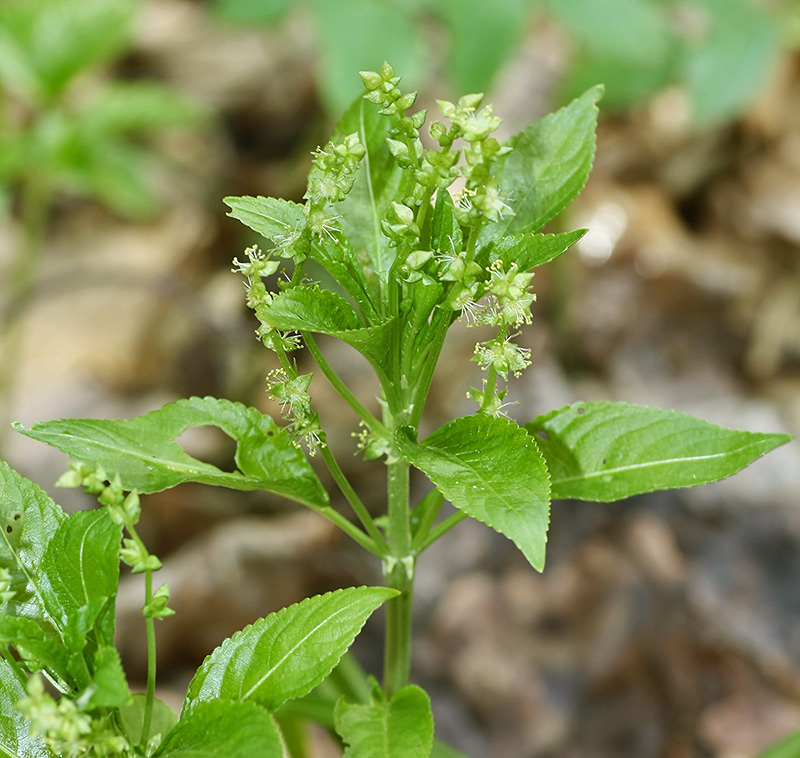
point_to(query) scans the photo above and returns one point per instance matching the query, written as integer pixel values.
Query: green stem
(439, 530)
(429, 508)
(399, 575)
(340, 387)
(150, 631)
(150, 628)
(352, 497)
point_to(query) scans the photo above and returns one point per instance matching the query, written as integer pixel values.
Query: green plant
(66, 131)
(720, 52)
(406, 259)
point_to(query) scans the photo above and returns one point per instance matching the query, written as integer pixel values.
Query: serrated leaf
(243, 730)
(398, 728)
(488, 468)
(307, 308)
(28, 519)
(288, 653)
(37, 642)
(547, 167)
(15, 730)
(271, 217)
(610, 451)
(109, 687)
(376, 186)
(81, 564)
(530, 250)
(143, 452)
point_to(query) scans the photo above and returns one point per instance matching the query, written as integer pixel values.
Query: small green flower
(158, 606)
(503, 355)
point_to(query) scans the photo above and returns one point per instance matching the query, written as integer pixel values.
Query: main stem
(399, 568)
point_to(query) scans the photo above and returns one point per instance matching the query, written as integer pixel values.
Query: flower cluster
(68, 730)
(255, 269)
(290, 389)
(333, 171)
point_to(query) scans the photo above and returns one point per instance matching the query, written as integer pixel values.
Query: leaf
(44, 44)
(611, 451)
(788, 747)
(322, 311)
(243, 729)
(143, 452)
(531, 250)
(81, 564)
(472, 62)
(376, 186)
(271, 217)
(109, 688)
(547, 167)
(398, 728)
(358, 35)
(488, 468)
(15, 730)
(135, 107)
(728, 70)
(626, 44)
(37, 643)
(251, 11)
(131, 714)
(28, 519)
(288, 653)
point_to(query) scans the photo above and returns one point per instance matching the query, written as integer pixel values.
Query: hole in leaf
(581, 411)
(542, 434)
(16, 516)
(9, 529)
(209, 444)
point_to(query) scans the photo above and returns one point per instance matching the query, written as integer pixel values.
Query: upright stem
(150, 627)
(400, 576)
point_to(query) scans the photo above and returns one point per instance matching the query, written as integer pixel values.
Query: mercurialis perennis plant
(409, 239)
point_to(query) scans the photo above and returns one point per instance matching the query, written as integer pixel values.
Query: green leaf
(548, 166)
(531, 250)
(358, 35)
(251, 11)
(271, 217)
(472, 62)
(15, 730)
(488, 468)
(307, 308)
(788, 747)
(398, 728)
(131, 714)
(288, 653)
(376, 186)
(109, 687)
(28, 519)
(243, 729)
(81, 564)
(626, 44)
(611, 451)
(727, 70)
(143, 452)
(45, 44)
(136, 107)
(37, 643)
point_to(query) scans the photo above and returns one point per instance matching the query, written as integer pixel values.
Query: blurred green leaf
(251, 11)
(359, 35)
(728, 66)
(44, 44)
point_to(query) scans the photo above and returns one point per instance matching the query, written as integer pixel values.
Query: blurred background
(666, 626)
